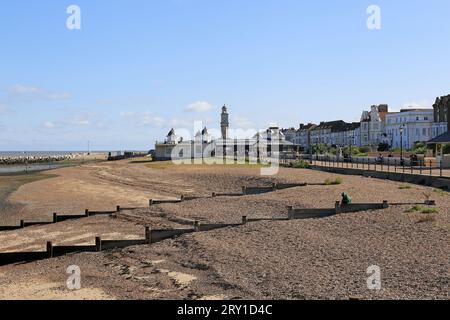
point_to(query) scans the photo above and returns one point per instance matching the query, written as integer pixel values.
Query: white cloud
(37, 93)
(49, 125)
(104, 102)
(199, 106)
(3, 108)
(417, 105)
(80, 121)
(181, 123)
(22, 90)
(147, 119)
(242, 123)
(142, 119)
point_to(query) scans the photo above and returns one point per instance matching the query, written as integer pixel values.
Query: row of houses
(377, 126)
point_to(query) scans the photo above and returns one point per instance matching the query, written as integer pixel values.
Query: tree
(383, 146)
(420, 148)
(364, 149)
(446, 149)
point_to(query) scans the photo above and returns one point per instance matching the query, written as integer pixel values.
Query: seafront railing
(394, 165)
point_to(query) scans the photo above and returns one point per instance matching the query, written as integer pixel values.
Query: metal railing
(407, 166)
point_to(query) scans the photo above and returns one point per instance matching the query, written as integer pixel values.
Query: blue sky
(139, 67)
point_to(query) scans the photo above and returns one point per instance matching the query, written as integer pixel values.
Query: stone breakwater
(32, 159)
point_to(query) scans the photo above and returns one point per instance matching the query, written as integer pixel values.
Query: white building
(271, 142)
(441, 115)
(289, 134)
(373, 125)
(417, 126)
(336, 133)
(302, 136)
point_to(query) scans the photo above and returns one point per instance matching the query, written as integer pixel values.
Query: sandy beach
(303, 259)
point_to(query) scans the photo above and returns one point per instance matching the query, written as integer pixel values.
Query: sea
(44, 153)
(21, 168)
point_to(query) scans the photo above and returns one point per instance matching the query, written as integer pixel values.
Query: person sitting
(346, 199)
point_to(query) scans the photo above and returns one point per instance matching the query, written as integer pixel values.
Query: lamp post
(310, 147)
(402, 128)
(350, 150)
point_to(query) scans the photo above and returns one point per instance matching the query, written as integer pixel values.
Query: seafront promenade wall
(432, 181)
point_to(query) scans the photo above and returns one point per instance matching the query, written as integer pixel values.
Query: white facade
(373, 126)
(439, 128)
(289, 134)
(417, 126)
(302, 136)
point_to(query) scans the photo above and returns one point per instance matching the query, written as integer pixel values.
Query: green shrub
(301, 164)
(338, 180)
(414, 209)
(364, 149)
(429, 211)
(334, 182)
(422, 210)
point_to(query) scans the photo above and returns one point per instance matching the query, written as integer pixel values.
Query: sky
(137, 68)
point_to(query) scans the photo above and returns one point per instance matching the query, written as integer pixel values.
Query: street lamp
(351, 145)
(402, 128)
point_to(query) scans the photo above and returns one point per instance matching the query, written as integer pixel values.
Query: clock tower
(224, 124)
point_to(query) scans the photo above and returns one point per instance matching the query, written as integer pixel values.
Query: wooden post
(55, 217)
(182, 198)
(98, 244)
(385, 204)
(431, 168)
(86, 212)
(22, 224)
(150, 202)
(213, 195)
(440, 168)
(337, 207)
(244, 219)
(244, 190)
(148, 235)
(196, 226)
(118, 209)
(274, 186)
(49, 249)
(290, 212)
